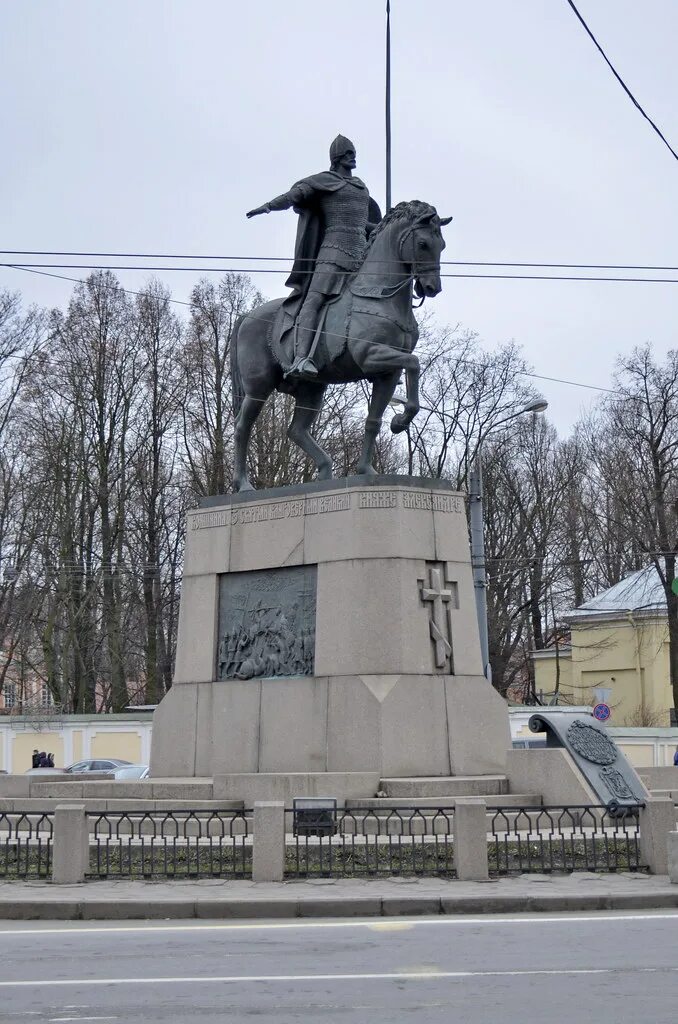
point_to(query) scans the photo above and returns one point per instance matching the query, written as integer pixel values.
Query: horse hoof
(366, 471)
(325, 473)
(244, 486)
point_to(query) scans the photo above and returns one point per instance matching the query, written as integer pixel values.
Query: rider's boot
(303, 367)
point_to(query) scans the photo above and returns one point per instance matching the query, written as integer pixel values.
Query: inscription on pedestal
(433, 502)
(267, 623)
(378, 499)
(240, 515)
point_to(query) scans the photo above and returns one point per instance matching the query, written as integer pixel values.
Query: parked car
(130, 772)
(96, 765)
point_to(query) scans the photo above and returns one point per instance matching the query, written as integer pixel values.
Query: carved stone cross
(440, 598)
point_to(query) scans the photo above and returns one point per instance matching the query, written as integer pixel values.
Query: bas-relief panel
(267, 623)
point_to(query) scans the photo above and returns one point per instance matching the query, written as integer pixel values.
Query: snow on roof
(642, 591)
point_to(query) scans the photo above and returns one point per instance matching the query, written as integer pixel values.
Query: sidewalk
(214, 898)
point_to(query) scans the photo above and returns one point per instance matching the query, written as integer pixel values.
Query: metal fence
(170, 844)
(354, 842)
(572, 838)
(26, 844)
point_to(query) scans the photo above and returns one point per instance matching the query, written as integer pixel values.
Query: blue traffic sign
(602, 712)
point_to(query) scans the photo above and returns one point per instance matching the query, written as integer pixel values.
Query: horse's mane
(412, 210)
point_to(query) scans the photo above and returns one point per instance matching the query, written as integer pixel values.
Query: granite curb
(75, 909)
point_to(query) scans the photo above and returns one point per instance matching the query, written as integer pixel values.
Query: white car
(130, 772)
(104, 764)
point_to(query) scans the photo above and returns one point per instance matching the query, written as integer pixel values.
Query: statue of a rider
(336, 215)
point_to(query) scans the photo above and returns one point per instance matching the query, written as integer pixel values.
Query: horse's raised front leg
(244, 421)
(402, 420)
(382, 393)
(309, 401)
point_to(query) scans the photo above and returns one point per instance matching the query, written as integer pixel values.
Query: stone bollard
(70, 844)
(672, 851)
(657, 819)
(268, 837)
(470, 839)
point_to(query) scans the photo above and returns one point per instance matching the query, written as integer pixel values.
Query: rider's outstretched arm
(297, 196)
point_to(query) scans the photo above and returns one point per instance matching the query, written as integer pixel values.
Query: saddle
(325, 348)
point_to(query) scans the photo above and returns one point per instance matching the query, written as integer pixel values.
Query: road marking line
(53, 1019)
(234, 979)
(391, 926)
(486, 920)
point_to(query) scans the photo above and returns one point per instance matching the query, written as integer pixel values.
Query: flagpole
(388, 105)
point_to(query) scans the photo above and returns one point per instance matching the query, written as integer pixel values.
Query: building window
(10, 695)
(45, 697)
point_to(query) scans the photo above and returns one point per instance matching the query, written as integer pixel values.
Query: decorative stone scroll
(606, 769)
(267, 623)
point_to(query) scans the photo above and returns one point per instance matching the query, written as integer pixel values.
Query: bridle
(415, 268)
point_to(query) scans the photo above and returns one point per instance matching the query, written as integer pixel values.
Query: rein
(414, 271)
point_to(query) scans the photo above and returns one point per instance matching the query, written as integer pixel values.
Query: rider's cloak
(310, 232)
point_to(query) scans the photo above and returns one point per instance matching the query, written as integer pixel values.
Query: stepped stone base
(389, 725)
(252, 787)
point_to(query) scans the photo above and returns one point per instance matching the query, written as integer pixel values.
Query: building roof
(641, 592)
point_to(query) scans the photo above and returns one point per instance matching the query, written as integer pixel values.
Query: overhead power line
(346, 273)
(622, 82)
(181, 302)
(287, 259)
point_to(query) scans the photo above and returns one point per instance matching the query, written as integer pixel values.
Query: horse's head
(421, 244)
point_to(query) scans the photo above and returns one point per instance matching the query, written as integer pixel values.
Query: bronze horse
(369, 333)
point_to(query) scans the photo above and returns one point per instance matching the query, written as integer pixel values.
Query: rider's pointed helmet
(340, 146)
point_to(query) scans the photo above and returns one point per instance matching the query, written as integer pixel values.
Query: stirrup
(302, 369)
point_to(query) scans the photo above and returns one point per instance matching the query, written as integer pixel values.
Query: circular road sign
(602, 712)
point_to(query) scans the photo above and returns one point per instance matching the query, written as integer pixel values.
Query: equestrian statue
(349, 315)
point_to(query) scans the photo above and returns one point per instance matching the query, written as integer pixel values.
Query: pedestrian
(675, 757)
(50, 760)
(42, 763)
(35, 760)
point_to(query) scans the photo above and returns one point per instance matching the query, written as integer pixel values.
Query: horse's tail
(237, 385)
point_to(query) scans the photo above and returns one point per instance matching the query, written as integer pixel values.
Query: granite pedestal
(330, 627)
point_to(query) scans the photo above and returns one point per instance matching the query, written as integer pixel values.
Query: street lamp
(478, 537)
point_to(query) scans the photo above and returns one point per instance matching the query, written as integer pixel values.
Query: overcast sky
(153, 125)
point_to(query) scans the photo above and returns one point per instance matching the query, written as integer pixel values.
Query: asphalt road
(595, 968)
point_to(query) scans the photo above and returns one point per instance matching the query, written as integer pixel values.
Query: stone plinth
(348, 608)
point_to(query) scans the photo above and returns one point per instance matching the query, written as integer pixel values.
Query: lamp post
(478, 566)
(478, 538)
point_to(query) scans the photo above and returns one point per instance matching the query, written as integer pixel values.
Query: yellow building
(619, 654)
(73, 738)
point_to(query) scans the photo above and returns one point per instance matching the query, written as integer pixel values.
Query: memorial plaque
(267, 623)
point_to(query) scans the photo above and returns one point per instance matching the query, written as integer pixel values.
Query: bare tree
(98, 368)
(633, 452)
(464, 392)
(160, 395)
(21, 336)
(208, 408)
(528, 474)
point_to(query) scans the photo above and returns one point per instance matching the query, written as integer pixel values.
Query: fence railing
(563, 838)
(467, 841)
(354, 842)
(26, 844)
(170, 844)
